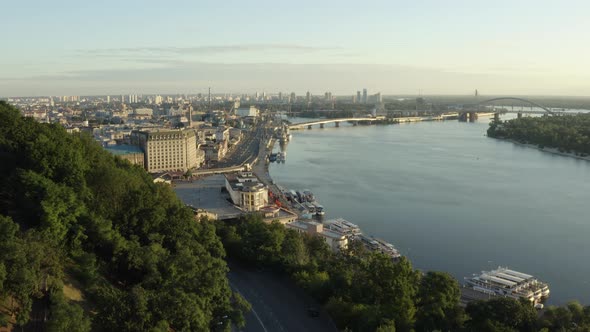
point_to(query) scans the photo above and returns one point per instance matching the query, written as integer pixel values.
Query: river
(451, 199)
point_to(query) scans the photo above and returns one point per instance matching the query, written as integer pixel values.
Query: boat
(300, 197)
(343, 227)
(319, 210)
(509, 283)
(378, 245)
(293, 195)
(310, 207)
(308, 195)
(387, 249)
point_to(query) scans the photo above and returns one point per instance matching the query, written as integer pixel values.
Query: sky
(517, 47)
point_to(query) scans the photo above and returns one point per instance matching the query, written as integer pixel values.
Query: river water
(452, 199)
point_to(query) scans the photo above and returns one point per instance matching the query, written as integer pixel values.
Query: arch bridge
(547, 110)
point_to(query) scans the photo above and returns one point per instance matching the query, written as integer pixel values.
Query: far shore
(545, 149)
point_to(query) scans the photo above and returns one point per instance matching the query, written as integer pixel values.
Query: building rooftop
(123, 149)
(245, 181)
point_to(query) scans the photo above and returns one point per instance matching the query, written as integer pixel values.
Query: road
(246, 148)
(277, 304)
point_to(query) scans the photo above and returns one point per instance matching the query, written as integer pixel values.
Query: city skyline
(60, 48)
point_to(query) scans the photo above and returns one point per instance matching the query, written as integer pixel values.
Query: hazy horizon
(397, 48)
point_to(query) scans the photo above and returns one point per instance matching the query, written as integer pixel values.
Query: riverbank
(545, 149)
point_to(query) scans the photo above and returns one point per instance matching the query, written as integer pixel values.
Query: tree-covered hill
(568, 133)
(69, 211)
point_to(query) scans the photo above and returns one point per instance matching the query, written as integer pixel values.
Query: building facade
(167, 150)
(246, 191)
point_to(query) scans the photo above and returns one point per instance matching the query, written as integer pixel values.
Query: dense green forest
(365, 291)
(73, 214)
(568, 133)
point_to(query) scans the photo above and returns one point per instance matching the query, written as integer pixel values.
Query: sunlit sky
(513, 47)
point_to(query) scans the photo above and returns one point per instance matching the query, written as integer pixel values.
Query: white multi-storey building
(167, 150)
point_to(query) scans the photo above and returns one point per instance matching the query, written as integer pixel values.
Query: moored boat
(509, 283)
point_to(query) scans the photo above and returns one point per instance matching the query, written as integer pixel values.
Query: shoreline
(554, 151)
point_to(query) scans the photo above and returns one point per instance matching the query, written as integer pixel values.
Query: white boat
(343, 227)
(509, 283)
(319, 210)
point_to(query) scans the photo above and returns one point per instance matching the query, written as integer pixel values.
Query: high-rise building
(354, 99)
(280, 96)
(167, 150)
(358, 96)
(365, 96)
(293, 97)
(108, 99)
(158, 100)
(308, 97)
(378, 98)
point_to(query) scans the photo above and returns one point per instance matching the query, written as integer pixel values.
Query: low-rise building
(246, 191)
(252, 111)
(335, 241)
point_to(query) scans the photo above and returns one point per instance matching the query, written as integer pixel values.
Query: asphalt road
(277, 303)
(246, 148)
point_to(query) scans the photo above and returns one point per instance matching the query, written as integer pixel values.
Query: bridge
(335, 121)
(547, 110)
(471, 115)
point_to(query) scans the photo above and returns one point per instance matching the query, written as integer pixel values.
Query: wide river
(452, 199)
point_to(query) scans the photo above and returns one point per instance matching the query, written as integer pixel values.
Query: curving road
(277, 304)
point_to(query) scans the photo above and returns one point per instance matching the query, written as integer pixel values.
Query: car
(313, 312)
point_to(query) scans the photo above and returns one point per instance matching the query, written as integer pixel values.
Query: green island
(89, 243)
(567, 133)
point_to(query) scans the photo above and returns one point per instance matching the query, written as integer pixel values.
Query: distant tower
(365, 96)
(210, 99)
(190, 116)
(358, 96)
(476, 93)
(108, 99)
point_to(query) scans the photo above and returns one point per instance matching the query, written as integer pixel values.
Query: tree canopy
(70, 210)
(568, 133)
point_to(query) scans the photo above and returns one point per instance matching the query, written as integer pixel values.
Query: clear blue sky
(439, 47)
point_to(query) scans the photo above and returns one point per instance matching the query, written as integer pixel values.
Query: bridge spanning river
(322, 122)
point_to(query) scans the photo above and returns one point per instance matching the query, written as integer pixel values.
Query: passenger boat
(308, 195)
(319, 210)
(310, 207)
(509, 283)
(343, 227)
